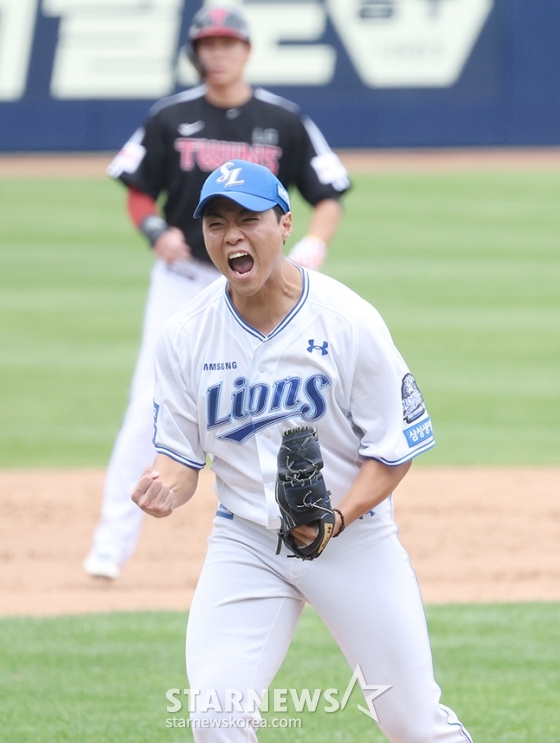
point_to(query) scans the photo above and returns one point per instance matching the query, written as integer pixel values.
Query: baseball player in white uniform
(269, 347)
(183, 140)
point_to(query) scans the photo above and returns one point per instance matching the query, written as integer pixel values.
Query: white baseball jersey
(225, 390)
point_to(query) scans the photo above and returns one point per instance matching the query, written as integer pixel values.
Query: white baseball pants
(119, 527)
(247, 605)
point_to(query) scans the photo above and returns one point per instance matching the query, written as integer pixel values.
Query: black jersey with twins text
(185, 138)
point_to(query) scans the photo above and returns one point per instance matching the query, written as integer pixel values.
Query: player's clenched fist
(152, 496)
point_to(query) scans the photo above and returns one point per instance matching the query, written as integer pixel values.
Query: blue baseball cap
(253, 186)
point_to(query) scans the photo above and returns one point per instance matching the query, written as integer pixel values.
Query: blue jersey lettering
(265, 405)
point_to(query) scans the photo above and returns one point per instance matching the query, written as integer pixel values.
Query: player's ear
(286, 225)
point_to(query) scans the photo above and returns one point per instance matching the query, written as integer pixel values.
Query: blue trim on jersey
(411, 455)
(156, 413)
(299, 305)
(458, 724)
(239, 319)
(371, 512)
(289, 317)
(224, 512)
(178, 458)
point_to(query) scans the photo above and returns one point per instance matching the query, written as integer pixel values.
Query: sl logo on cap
(229, 175)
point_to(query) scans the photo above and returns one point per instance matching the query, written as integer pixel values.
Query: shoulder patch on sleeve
(412, 401)
(130, 156)
(329, 169)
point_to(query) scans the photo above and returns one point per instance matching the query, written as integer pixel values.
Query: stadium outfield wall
(81, 76)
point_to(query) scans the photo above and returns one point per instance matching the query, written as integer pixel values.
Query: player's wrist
(153, 227)
(342, 522)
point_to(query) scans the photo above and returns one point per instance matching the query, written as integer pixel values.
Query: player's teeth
(240, 262)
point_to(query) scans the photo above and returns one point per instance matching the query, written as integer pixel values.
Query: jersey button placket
(261, 371)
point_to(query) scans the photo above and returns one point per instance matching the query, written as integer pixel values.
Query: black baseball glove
(301, 492)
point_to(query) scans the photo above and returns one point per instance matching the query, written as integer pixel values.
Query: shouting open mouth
(240, 263)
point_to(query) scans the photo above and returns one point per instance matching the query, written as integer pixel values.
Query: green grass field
(463, 267)
(104, 678)
(465, 270)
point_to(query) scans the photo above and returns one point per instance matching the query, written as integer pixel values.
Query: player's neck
(229, 96)
(266, 309)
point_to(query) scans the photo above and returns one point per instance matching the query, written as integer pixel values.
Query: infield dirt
(94, 165)
(473, 534)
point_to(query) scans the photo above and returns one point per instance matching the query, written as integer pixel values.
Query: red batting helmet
(218, 21)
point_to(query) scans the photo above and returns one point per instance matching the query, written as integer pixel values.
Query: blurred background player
(186, 137)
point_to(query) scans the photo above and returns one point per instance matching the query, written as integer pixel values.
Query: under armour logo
(229, 175)
(322, 348)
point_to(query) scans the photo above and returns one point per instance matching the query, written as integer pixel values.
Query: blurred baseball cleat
(101, 566)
